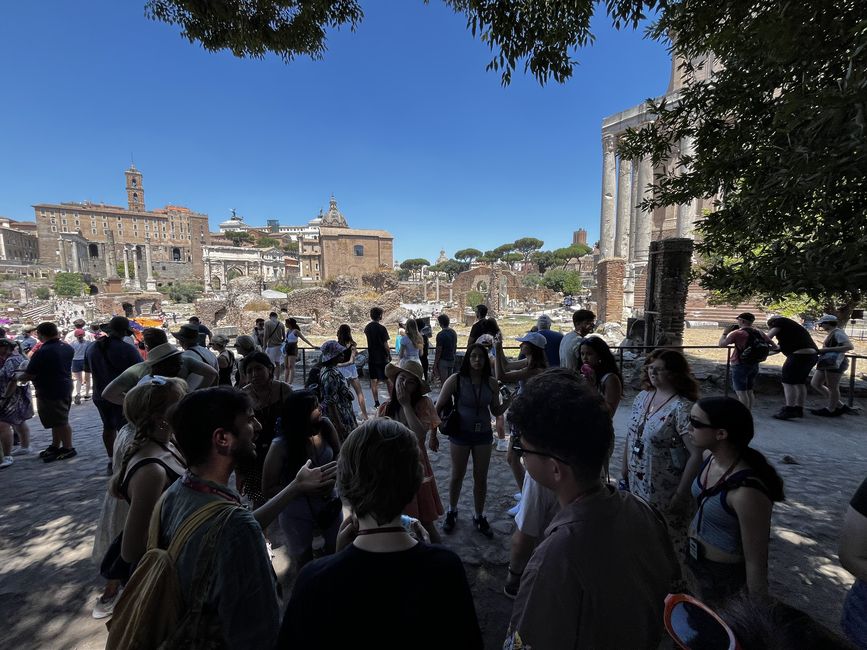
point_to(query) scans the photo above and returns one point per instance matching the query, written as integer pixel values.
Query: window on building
(53, 228)
(176, 254)
(359, 250)
(93, 249)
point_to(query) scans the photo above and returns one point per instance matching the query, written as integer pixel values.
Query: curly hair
(379, 469)
(144, 407)
(679, 374)
(545, 414)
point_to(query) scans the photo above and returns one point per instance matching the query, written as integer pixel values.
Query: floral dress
(18, 407)
(426, 505)
(337, 401)
(656, 457)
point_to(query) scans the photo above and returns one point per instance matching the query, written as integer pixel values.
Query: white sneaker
(513, 512)
(517, 496)
(104, 609)
(502, 444)
(22, 451)
(6, 462)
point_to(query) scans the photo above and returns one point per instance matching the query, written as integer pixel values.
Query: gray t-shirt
(243, 594)
(569, 351)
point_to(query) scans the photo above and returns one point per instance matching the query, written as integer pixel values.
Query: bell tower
(134, 189)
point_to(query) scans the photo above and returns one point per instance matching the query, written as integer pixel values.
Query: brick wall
(609, 290)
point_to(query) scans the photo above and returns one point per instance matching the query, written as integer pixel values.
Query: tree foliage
(268, 242)
(526, 246)
(69, 284)
(779, 136)
(43, 293)
(569, 253)
(468, 255)
(544, 260)
(562, 281)
(182, 291)
(450, 268)
(541, 35)
(237, 237)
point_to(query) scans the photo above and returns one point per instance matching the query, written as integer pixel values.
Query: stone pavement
(48, 583)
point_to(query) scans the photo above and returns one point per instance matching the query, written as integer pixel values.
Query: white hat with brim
(161, 352)
(411, 366)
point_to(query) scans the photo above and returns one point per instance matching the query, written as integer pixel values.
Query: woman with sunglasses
(735, 492)
(659, 459)
(410, 405)
(476, 395)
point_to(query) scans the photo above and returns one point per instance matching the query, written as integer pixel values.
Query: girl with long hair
(267, 395)
(290, 348)
(412, 342)
(599, 368)
(305, 438)
(476, 395)
(659, 459)
(149, 462)
(735, 492)
(410, 405)
(348, 368)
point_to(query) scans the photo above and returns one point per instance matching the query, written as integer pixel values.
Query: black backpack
(757, 348)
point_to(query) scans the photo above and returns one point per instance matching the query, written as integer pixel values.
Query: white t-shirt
(538, 507)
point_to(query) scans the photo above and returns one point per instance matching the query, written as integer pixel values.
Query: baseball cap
(533, 338)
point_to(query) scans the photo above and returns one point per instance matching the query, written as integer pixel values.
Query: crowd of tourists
(207, 447)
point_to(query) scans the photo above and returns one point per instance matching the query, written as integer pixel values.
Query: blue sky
(399, 121)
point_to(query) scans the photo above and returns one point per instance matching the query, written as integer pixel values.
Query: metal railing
(618, 351)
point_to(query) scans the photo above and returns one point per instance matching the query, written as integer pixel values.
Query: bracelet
(519, 574)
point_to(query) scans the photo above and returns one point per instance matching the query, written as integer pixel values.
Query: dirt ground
(48, 514)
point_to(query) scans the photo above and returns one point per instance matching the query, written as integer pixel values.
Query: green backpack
(151, 612)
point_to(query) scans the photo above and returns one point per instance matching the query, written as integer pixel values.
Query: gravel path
(48, 583)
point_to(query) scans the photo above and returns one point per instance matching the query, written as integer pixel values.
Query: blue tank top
(715, 523)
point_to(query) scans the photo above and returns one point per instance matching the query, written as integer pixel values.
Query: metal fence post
(728, 369)
(304, 365)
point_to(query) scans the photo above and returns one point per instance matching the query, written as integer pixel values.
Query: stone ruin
(325, 309)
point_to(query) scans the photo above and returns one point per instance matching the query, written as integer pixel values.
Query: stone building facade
(625, 230)
(17, 245)
(222, 263)
(174, 234)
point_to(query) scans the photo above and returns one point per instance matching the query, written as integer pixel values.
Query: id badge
(694, 549)
(477, 428)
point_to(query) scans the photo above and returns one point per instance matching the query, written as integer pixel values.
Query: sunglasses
(694, 626)
(698, 424)
(520, 451)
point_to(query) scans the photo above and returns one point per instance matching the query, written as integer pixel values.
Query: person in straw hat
(336, 398)
(410, 405)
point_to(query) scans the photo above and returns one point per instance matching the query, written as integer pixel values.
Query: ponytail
(765, 472)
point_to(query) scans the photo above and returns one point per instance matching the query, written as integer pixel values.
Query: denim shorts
(744, 376)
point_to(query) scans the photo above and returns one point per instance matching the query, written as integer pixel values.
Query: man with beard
(215, 429)
(583, 322)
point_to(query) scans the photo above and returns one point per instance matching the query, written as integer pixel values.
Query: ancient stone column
(624, 209)
(126, 281)
(609, 187)
(136, 276)
(644, 219)
(108, 272)
(76, 260)
(62, 249)
(438, 286)
(686, 213)
(634, 212)
(151, 282)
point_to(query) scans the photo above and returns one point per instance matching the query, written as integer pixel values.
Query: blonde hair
(145, 407)
(413, 334)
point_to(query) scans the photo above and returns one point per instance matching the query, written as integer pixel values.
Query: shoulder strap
(187, 528)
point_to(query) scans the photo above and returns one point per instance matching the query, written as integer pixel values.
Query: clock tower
(134, 189)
